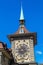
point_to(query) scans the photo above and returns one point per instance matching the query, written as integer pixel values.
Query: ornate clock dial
(22, 49)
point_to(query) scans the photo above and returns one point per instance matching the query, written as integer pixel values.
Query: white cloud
(39, 52)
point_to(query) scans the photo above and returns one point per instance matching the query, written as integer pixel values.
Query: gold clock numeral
(22, 60)
(19, 59)
(24, 55)
(26, 42)
(16, 43)
(23, 40)
(19, 41)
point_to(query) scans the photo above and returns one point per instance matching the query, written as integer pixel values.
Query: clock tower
(22, 44)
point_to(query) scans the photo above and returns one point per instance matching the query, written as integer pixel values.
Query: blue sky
(33, 14)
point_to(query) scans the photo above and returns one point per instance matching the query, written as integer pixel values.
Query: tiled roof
(1, 45)
(25, 31)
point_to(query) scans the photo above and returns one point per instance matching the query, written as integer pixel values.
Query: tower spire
(22, 21)
(21, 14)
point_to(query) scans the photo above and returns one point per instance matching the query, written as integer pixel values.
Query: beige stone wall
(29, 42)
(31, 51)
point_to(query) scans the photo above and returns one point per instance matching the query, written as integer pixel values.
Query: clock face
(22, 49)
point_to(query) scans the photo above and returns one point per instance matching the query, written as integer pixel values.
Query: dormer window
(21, 30)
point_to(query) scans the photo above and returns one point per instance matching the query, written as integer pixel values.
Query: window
(21, 30)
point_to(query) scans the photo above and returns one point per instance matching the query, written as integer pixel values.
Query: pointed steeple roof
(22, 32)
(21, 14)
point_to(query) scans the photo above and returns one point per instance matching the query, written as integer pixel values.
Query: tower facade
(22, 44)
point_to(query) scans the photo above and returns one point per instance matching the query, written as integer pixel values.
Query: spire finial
(21, 14)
